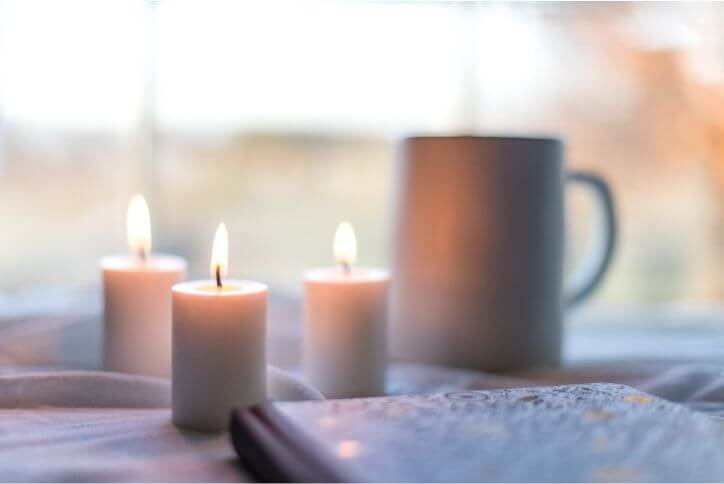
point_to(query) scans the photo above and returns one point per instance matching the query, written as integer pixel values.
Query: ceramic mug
(478, 251)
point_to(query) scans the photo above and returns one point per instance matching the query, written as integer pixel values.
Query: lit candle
(345, 324)
(137, 301)
(219, 345)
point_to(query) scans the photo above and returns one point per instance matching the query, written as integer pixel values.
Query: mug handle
(596, 260)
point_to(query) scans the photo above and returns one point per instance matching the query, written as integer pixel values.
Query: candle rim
(156, 262)
(336, 274)
(245, 287)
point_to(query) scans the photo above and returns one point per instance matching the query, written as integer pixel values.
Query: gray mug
(478, 251)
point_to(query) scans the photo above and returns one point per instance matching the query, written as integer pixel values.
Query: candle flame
(138, 226)
(220, 252)
(345, 245)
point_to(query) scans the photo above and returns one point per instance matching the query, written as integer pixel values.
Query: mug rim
(434, 137)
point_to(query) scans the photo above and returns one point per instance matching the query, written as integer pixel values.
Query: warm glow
(345, 245)
(138, 226)
(348, 449)
(220, 251)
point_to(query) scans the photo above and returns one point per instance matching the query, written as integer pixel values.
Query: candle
(219, 345)
(137, 301)
(345, 324)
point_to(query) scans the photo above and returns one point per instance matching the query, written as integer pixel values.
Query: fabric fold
(118, 390)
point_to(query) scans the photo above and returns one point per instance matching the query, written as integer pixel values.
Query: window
(281, 120)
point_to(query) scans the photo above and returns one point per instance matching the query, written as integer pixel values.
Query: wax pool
(219, 351)
(345, 324)
(137, 312)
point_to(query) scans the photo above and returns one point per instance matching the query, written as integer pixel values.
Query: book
(587, 432)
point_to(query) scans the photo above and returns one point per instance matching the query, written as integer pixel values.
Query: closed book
(591, 432)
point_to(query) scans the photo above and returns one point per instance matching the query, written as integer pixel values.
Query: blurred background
(281, 119)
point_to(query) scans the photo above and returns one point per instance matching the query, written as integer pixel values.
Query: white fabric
(118, 390)
(60, 425)
(83, 389)
(95, 426)
(282, 386)
(98, 426)
(109, 444)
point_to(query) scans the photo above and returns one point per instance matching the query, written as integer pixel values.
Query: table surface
(60, 331)
(63, 328)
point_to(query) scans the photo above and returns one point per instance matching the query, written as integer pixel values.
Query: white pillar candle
(345, 325)
(219, 345)
(137, 301)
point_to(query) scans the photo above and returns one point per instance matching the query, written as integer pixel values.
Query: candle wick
(346, 267)
(218, 276)
(142, 255)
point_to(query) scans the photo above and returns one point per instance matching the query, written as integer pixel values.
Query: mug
(478, 251)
